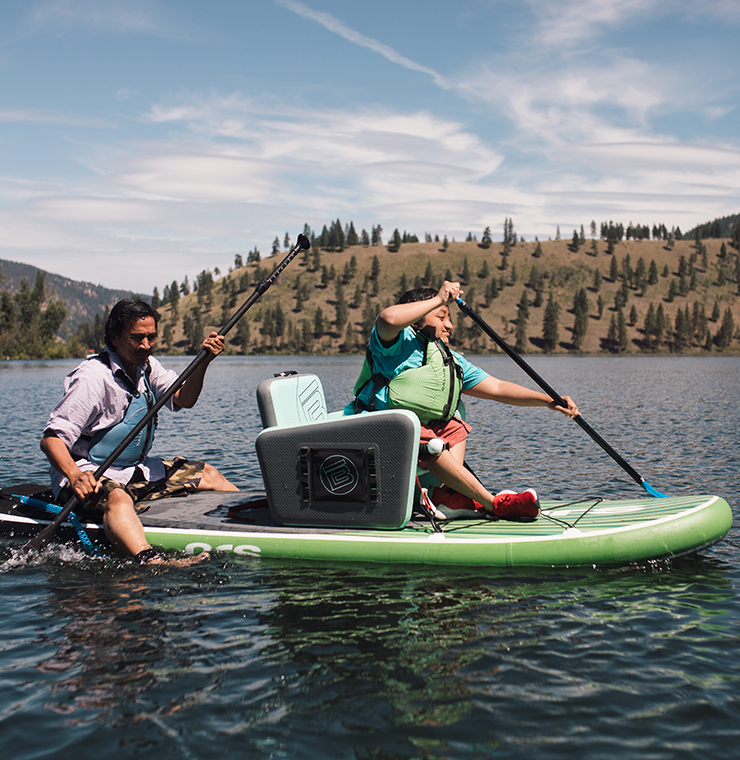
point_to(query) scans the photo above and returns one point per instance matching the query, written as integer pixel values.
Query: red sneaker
(519, 507)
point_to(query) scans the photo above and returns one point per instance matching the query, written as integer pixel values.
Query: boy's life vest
(432, 391)
(104, 442)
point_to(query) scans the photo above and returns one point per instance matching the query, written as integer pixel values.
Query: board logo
(339, 475)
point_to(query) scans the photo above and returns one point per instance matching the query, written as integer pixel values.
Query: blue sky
(143, 140)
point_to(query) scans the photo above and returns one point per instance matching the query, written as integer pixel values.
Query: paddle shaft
(555, 396)
(43, 538)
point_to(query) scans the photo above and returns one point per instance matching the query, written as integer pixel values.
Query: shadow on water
(256, 658)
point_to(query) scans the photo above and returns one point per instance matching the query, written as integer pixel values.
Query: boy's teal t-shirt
(406, 353)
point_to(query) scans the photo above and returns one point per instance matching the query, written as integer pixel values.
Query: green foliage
(550, 332)
(580, 323)
(27, 329)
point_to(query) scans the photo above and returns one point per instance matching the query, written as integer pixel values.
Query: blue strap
(72, 517)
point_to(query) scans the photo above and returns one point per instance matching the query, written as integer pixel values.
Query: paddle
(466, 309)
(43, 538)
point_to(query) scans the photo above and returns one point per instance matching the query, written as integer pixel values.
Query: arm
(517, 395)
(83, 483)
(186, 396)
(393, 320)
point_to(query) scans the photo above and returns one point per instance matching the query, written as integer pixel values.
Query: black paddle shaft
(43, 538)
(466, 309)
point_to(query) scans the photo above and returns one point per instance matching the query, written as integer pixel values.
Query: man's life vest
(104, 442)
(432, 391)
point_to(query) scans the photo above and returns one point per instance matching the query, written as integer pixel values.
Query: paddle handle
(43, 538)
(556, 397)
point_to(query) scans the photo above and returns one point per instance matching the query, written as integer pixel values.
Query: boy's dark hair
(417, 294)
(125, 311)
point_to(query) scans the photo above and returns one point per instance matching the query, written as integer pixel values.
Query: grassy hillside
(285, 318)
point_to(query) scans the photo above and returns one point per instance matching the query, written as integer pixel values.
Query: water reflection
(294, 659)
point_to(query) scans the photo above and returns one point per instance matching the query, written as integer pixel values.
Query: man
(104, 397)
(409, 366)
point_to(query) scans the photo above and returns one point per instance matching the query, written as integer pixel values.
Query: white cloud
(239, 175)
(565, 23)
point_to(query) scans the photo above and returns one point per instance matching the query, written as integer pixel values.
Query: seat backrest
(291, 399)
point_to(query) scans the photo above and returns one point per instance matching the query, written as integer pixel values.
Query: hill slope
(84, 300)
(298, 313)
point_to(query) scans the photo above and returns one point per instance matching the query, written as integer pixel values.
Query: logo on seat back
(310, 399)
(339, 475)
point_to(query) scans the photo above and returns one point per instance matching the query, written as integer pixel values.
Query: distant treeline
(30, 319)
(336, 237)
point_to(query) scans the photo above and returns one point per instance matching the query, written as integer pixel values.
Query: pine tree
(493, 289)
(521, 328)
(396, 240)
(319, 326)
(550, 333)
(660, 325)
(580, 323)
(613, 269)
(243, 334)
(653, 273)
(611, 335)
(649, 326)
(523, 306)
(622, 339)
(680, 332)
(375, 269)
(726, 331)
(486, 240)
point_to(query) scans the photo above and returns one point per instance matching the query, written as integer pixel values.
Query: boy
(409, 366)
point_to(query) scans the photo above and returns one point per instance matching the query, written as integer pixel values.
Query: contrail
(333, 24)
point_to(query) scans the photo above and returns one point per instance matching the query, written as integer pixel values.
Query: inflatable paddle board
(588, 531)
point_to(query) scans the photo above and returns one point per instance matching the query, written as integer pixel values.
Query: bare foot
(193, 559)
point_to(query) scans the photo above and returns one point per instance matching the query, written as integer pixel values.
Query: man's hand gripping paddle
(46, 535)
(466, 309)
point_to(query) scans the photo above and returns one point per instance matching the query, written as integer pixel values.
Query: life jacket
(431, 391)
(104, 442)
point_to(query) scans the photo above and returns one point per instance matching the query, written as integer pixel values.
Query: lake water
(250, 658)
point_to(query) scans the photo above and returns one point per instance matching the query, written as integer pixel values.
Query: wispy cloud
(41, 116)
(564, 23)
(120, 17)
(333, 24)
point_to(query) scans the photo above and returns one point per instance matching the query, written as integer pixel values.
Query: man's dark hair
(125, 312)
(417, 294)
